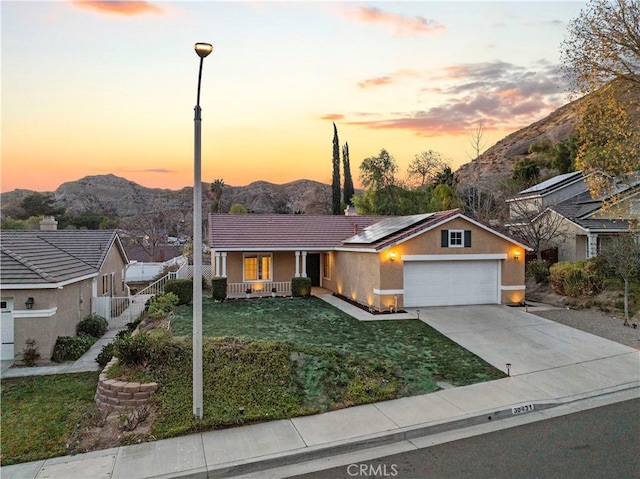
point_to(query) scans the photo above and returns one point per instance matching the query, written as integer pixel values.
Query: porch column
(304, 264)
(224, 264)
(297, 275)
(216, 269)
(592, 245)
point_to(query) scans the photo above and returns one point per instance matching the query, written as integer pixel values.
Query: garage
(451, 283)
(6, 330)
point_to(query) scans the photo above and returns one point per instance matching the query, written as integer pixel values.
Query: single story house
(49, 279)
(432, 259)
(583, 223)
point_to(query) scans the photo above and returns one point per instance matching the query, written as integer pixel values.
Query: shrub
(575, 278)
(132, 350)
(301, 287)
(108, 351)
(219, 288)
(182, 288)
(538, 270)
(30, 354)
(162, 304)
(93, 325)
(70, 348)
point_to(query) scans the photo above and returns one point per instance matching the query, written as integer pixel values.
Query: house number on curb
(522, 408)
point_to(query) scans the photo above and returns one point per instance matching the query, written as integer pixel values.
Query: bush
(132, 350)
(93, 325)
(162, 304)
(575, 278)
(301, 287)
(108, 351)
(70, 348)
(538, 270)
(219, 288)
(182, 288)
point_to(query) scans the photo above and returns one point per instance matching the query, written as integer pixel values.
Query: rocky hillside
(497, 162)
(115, 196)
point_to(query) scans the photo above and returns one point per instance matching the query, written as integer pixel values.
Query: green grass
(42, 414)
(418, 354)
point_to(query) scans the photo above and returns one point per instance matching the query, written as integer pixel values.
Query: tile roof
(287, 232)
(50, 257)
(283, 232)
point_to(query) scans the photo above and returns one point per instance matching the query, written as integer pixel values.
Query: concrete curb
(407, 433)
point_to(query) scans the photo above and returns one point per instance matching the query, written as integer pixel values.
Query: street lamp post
(202, 49)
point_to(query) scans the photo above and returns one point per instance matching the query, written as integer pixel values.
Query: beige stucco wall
(71, 303)
(283, 266)
(358, 274)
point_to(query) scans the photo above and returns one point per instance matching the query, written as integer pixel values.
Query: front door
(6, 330)
(313, 268)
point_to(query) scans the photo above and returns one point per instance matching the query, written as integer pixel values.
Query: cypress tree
(335, 184)
(348, 191)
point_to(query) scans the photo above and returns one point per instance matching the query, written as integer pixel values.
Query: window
(326, 257)
(455, 238)
(105, 284)
(257, 267)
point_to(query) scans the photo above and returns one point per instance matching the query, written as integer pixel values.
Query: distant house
(49, 279)
(585, 222)
(443, 258)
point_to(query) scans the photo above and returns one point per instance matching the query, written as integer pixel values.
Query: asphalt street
(602, 442)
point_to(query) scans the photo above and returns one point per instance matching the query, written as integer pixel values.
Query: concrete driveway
(502, 334)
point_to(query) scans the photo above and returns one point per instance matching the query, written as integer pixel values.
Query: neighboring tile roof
(273, 232)
(46, 257)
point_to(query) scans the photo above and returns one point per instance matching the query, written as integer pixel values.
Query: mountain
(497, 163)
(115, 196)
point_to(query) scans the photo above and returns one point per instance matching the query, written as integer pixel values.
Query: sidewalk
(558, 371)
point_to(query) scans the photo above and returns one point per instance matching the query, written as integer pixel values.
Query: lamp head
(203, 49)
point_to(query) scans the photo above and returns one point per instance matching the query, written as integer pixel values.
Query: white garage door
(6, 329)
(448, 283)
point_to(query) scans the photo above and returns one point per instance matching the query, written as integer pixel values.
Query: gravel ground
(595, 322)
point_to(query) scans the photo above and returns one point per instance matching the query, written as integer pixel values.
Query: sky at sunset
(97, 87)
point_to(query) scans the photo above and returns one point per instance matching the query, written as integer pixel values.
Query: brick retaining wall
(118, 395)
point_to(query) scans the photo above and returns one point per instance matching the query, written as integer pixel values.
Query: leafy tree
(443, 198)
(425, 166)
(527, 171)
(348, 190)
(39, 204)
(445, 177)
(622, 254)
(601, 56)
(238, 209)
(335, 182)
(603, 44)
(32, 223)
(215, 193)
(564, 155)
(378, 172)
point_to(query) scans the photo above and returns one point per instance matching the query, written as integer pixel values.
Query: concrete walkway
(555, 370)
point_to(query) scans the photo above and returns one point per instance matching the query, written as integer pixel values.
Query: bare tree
(425, 166)
(622, 254)
(149, 230)
(541, 229)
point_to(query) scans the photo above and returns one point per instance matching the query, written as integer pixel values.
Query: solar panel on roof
(550, 182)
(386, 227)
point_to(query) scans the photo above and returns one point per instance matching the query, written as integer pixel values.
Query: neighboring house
(443, 258)
(48, 281)
(584, 222)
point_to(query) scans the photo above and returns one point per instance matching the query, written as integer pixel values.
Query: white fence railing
(260, 288)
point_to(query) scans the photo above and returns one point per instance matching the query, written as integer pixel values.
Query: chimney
(48, 223)
(351, 211)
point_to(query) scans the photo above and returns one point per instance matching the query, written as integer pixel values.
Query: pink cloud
(387, 79)
(404, 25)
(332, 116)
(119, 7)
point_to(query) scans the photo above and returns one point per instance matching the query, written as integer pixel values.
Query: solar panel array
(385, 228)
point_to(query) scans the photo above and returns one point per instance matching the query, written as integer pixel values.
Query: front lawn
(42, 416)
(418, 354)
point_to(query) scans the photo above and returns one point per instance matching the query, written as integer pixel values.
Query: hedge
(93, 325)
(575, 278)
(301, 287)
(183, 288)
(70, 348)
(219, 288)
